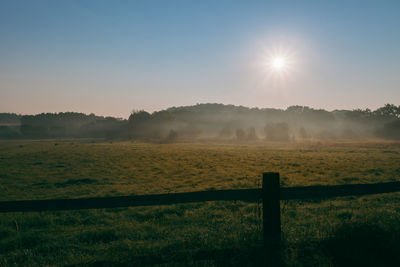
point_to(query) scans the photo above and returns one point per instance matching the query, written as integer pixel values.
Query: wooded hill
(210, 121)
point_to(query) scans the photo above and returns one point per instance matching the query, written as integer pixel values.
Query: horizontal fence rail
(247, 195)
(320, 191)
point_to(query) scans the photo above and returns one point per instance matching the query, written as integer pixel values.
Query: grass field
(336, 232)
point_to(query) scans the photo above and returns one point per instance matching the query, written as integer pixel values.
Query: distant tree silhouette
(277, 132)
(205, 120)
(303, 133)
(10, 132)
(226, 132)
(390, 130)
(388, 111)
(68, 124)
(240, 135)
(251, 135)
(9, 119)
(139, 117)
(172, 136)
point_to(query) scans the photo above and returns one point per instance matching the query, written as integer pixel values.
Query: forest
(216, 122)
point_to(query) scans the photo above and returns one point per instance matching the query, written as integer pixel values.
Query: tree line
(209, 121)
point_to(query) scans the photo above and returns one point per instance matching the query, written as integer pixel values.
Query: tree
(172, 136)
(390, 130)
(303, 133)
(139, 117)
(226, 132)
(251, 135)
(277, 132)
(240, 135)
(388, 111)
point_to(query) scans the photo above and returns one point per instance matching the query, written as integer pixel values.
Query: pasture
(334, 232)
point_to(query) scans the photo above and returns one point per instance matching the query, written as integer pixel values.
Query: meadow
(334, 232)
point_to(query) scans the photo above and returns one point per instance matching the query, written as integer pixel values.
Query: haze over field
(216, 122)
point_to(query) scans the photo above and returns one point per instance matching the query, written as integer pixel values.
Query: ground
(214, 233)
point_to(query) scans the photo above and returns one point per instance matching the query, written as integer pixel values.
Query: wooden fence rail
(321, 191)
(248, 195)
(270, 195)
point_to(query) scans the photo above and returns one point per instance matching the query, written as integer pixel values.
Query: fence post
(271, 208)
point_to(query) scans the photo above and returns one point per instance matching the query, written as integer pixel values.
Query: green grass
(315, 233)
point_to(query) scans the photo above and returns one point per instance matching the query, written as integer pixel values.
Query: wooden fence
(270, 194)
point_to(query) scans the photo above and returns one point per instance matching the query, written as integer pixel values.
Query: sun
(278, 63)
(278, 66)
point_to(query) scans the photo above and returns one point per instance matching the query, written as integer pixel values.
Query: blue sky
(110, 57)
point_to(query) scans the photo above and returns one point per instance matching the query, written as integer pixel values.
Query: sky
(112, 57)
